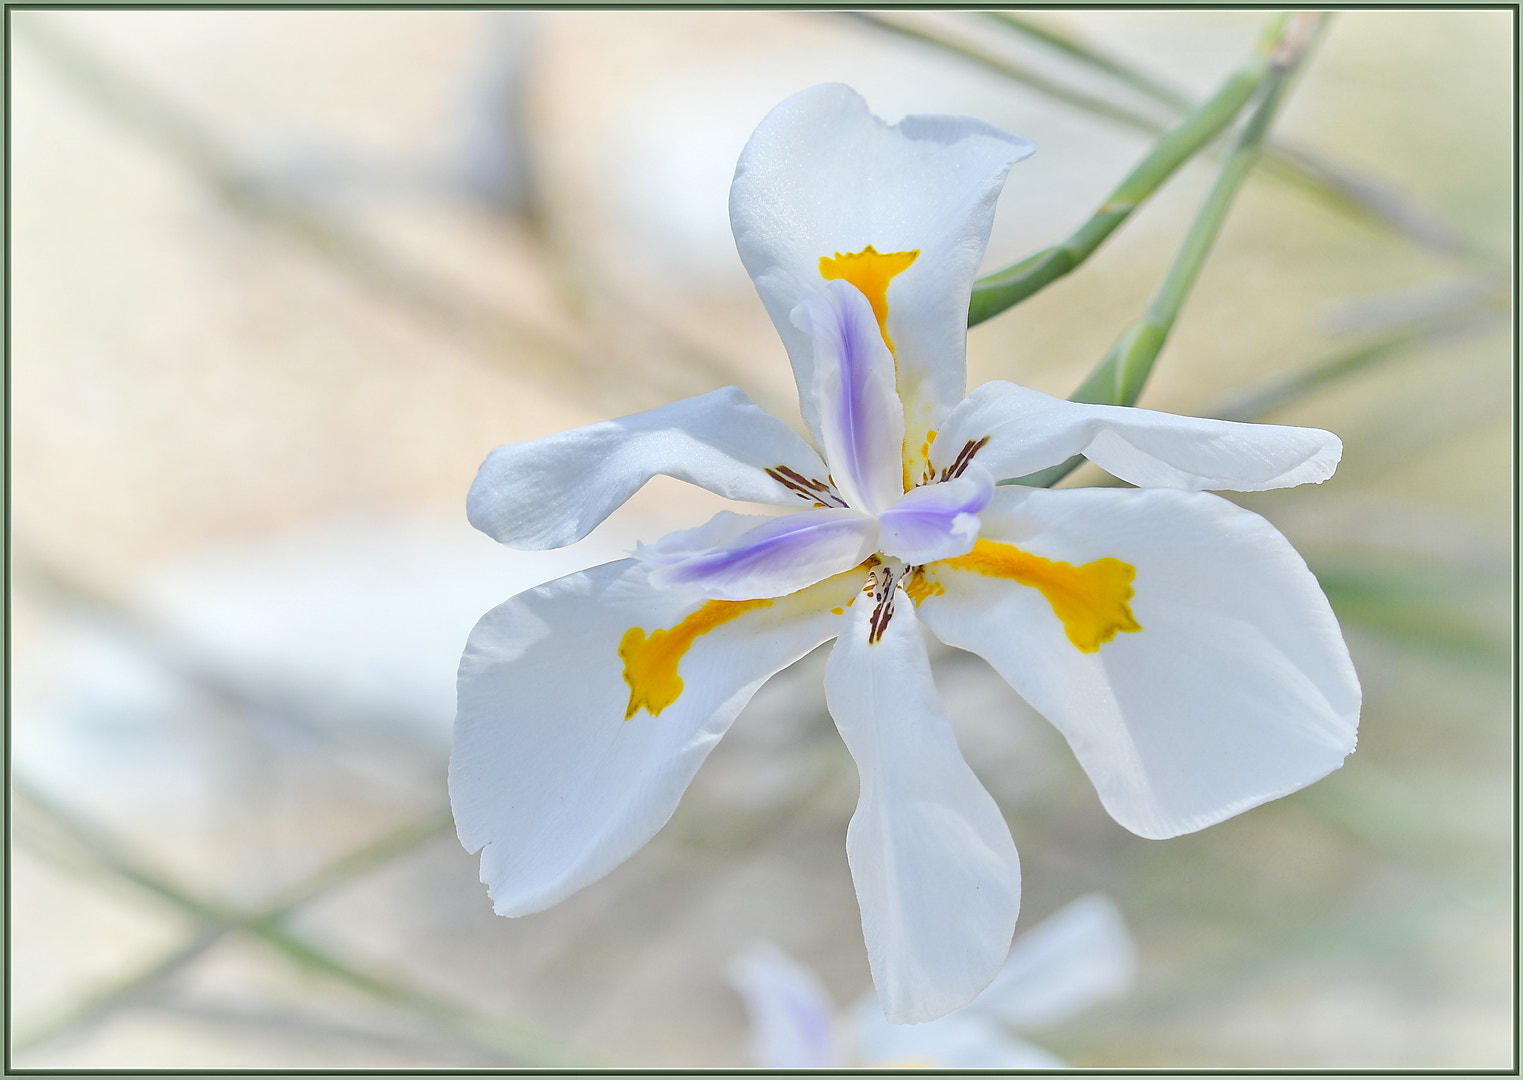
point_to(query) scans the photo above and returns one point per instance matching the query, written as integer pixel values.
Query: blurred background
(281, 279)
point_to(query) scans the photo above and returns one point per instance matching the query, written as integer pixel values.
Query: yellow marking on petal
(651, 660)
(1092, 600)
(870, 272)
(920, 585)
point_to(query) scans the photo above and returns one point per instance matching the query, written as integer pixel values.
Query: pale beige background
(269, 315)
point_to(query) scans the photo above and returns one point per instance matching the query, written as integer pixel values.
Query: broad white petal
(1238, 688)
(553, 491)
(1029, 430)
(936, 521)
(1078, 956)
(792, 1017)
(548, 779)
(745, 556)
(963, 1040)
(861, 419)
(821, 175)
(933, 863)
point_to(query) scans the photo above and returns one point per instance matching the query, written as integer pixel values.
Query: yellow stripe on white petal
(934, 866)
(651, 659)
(1239, 690)
(1091, 601)
(547, 779)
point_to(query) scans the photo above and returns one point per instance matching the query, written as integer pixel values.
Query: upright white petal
(553, 491)
(1236, 690)
(861, 419)
(1029, 430)
(821, 175)
(792, 1017)
(548, 779)
(934, 866)
(1078, 956)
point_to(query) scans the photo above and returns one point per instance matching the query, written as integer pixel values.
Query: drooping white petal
(963, 1040)
(553, 491)
(1078, 956)
(745, 556)
(1029, 431)
(792, 1017)
(821, 175)
(548, 779)
(934, 866)
(861, 419)
(936, 521)
(1236, 690)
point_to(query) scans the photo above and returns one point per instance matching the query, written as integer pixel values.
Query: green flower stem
(1346, 190)
(1016, 73)
(1008, 287)
(1119, 377)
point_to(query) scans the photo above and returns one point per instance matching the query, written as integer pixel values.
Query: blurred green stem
(546, 348)
(1077, 50)
(519, 1047)
(1120, 376)
(134, 986)
(1343, 188)
(1006, 288)
(1258, 399)
(1015, 72)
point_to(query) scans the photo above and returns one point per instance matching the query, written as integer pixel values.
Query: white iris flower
(1178, 642)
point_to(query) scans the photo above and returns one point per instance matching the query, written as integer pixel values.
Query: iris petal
(749, 556)
(861, 420)
(937, 521)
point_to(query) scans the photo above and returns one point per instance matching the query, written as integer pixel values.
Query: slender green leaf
(1120, 376)
(1015, 72)
(1092, 58)
(1005, 288)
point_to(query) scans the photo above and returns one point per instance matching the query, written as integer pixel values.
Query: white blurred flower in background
(1077, 957)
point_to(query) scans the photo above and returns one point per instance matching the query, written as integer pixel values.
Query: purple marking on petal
(937, 521)
(779, 556)
(861, 418)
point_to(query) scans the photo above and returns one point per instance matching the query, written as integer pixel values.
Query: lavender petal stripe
(779, 556)
(861, 418)
(936, 521)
